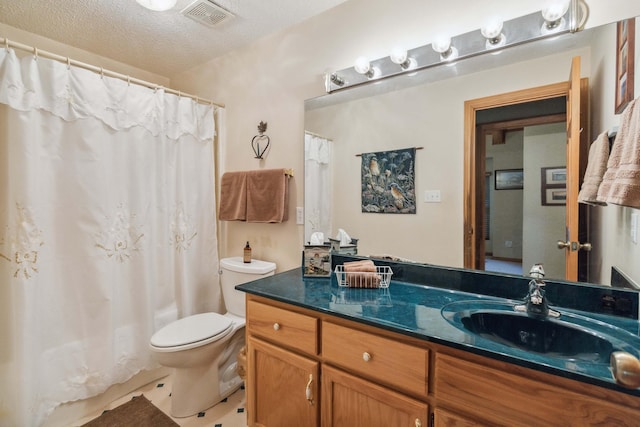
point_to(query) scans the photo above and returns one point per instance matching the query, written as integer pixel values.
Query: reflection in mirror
(317, 175)
(427, 110)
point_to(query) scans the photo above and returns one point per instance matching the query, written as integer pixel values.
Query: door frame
(474, 162)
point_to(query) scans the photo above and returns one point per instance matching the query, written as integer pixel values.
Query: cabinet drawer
(293, 330)
(389, 361)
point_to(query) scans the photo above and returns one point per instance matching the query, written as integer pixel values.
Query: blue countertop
(416, 310)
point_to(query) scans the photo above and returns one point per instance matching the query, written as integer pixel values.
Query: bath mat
(138, 412)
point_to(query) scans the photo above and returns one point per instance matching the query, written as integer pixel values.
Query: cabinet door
(443, 418)
(282, 387)
(348, 401)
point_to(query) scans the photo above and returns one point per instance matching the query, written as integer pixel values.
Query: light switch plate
(299, 215)
(634, 228)
(432, 196)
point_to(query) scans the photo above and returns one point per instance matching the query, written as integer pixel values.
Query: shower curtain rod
(37, 52)
(318, 135)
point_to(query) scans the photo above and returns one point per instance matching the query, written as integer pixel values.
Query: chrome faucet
(535, 303)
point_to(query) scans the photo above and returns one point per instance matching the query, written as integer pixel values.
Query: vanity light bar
(517, 31)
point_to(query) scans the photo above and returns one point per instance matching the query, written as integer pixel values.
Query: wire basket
(381, 278)
(379, 297)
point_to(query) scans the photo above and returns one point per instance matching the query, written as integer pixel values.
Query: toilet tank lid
(256, 266)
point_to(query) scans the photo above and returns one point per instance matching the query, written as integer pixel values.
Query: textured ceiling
(164, 43)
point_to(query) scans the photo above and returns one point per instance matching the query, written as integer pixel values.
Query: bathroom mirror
(426, 111)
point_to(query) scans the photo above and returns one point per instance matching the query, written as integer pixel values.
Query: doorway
(576, 93)
(520, 141)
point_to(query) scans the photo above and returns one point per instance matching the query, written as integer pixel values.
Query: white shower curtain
(317, 178)
(107, 229)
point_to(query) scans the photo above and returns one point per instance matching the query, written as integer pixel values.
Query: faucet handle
(537, 272)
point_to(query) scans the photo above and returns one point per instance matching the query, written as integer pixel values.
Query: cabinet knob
(418, 422)
(366, 356)
(276, 326)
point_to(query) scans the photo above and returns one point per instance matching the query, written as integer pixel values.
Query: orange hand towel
(267, 196)
(233, 197)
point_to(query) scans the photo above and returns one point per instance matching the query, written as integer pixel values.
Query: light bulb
(157, 5)
(362, 65)
(553, 14)
(492, 28)
(400, 56)
(492, 31)
(555, 9)
(442, 45)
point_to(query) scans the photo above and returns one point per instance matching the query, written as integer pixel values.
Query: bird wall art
(388, 182)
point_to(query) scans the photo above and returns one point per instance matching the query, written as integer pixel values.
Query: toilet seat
(192, 331)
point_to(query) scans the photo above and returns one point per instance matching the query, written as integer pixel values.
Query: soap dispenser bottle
(247, 253)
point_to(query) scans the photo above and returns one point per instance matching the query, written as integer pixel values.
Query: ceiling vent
(206, 12)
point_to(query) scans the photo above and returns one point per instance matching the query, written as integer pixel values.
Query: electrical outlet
(432, 196)
(299, 215)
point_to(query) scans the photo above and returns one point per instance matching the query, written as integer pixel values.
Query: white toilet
(203, 348)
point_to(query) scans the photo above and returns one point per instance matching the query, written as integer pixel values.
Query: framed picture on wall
(625, 52)
(555, 176)
(554, 186)
(509, 179)
(554, 196)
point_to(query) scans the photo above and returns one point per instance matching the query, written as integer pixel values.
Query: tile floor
(228, 413)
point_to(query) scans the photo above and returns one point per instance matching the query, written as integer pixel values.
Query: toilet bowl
(202, 348)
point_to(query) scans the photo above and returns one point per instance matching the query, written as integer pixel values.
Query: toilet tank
(234, 272)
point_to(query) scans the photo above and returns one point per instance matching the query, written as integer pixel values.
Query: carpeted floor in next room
(229, 413)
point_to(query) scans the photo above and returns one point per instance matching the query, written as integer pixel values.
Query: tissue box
(351, 249)
(316, 261)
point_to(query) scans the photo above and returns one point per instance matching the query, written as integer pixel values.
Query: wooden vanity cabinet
(283, 368)
(314, 369)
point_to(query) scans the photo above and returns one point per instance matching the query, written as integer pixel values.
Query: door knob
(585, 247)
(574, 246)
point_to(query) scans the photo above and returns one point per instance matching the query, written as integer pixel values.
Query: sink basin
(571, 337)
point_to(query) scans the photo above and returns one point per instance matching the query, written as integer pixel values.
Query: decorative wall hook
(260, 139)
